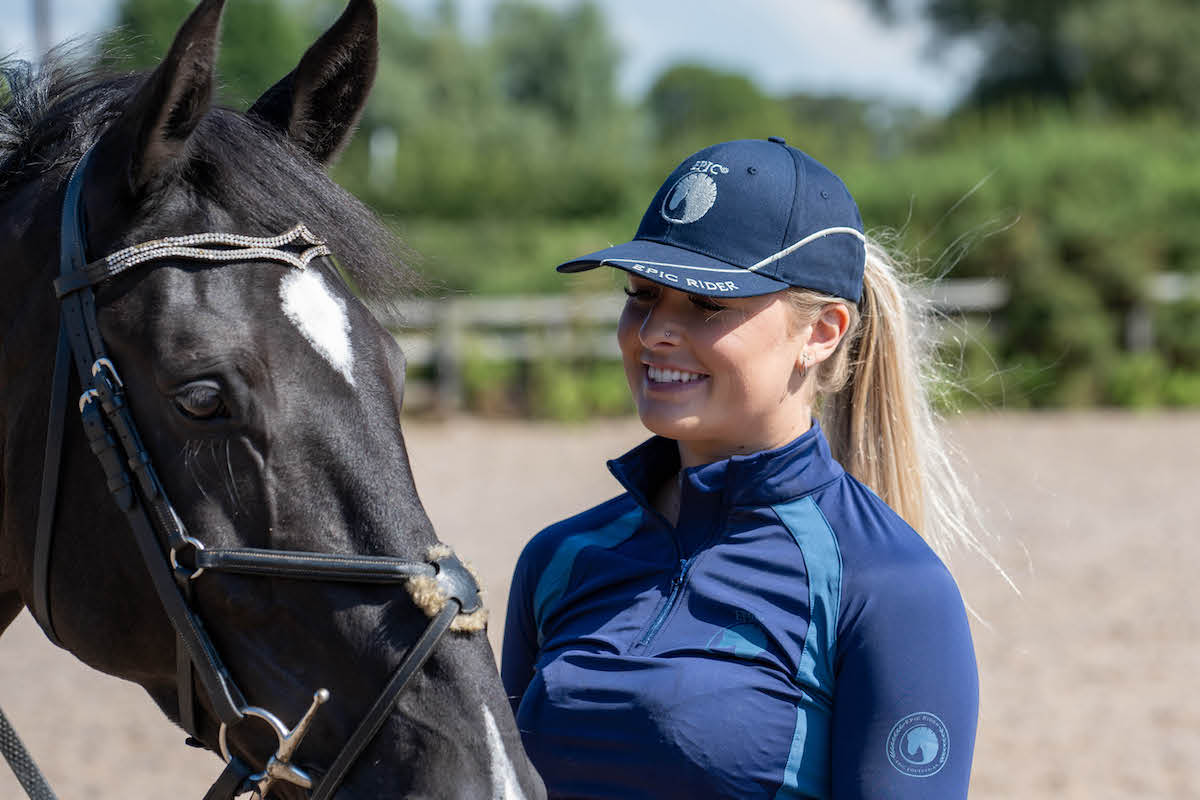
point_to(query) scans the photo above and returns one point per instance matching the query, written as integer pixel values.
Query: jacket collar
(757, 479)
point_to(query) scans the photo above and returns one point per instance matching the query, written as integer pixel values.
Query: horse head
(267, 398)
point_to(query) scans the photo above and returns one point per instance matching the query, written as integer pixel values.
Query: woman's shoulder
(868, 530)
(880, 560)
(606, 524)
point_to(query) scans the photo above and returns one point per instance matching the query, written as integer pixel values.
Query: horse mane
(51, 114)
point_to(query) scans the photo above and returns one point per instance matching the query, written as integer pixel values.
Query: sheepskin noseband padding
(427, 593)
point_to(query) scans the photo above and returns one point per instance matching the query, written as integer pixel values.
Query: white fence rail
(438, 335)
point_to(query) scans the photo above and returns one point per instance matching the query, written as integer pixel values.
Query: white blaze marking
(505, 785)
(321, 317)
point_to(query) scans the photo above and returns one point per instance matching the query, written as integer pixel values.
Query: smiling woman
(716, 376)
(755, 616)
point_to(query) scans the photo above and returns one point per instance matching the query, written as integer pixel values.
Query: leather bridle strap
(51, 469)
(455, 584)
(114, 439)
(311, 566)
(104, 413)
(379, 712)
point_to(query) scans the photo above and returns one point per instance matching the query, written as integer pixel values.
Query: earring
(667, 334)
(804, 360)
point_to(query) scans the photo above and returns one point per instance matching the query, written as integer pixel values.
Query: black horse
(267, 397)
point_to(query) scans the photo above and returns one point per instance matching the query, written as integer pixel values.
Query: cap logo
(694, 194)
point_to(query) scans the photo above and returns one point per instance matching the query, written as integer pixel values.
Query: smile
(660, 375)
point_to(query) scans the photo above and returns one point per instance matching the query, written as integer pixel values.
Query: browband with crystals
(200, 247)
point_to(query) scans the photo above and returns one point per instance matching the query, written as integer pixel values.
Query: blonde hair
(873, 398)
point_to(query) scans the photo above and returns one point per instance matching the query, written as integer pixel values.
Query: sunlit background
(1036, 163)
(1047, 147)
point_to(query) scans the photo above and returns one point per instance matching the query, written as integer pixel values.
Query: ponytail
(873, 401)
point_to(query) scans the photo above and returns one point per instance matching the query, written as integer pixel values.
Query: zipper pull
(678, 579)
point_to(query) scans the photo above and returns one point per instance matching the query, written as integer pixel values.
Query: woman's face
(720, 375)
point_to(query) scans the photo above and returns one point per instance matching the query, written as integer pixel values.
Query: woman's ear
(825, 333)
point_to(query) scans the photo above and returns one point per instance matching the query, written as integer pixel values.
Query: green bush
(577, 392)
(492, 388)
(1136, 381)
(506, 256)
(1076, 215)
(1182, 388)
(607, 389)
(1177, 333)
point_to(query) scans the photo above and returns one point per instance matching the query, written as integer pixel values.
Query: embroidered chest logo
(919, 745)
(694, 194)
(745, 639)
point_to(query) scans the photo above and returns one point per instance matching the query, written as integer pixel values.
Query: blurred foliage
(577, 392)
(1076, 217)
(260, 41)
(549, 388)
(1115, 54)
(1071, 172)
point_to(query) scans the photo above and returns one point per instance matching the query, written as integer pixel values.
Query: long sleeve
(907, 690)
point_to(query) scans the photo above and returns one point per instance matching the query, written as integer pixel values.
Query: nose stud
(668, 334)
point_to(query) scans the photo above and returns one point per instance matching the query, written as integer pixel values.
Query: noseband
(135, 486)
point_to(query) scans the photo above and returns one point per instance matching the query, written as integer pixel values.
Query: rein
(114, 439)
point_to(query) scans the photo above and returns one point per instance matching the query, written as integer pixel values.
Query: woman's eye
(201, 400)
(641, 295)
(706, 303)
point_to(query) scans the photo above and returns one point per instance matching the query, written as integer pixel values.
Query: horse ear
(152, 133)
(318, 103)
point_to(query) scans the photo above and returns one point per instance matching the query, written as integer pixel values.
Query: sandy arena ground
(1087, 678)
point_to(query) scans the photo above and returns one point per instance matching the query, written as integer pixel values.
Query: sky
(818, 46)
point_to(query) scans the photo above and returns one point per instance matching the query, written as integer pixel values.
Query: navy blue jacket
(791, 637)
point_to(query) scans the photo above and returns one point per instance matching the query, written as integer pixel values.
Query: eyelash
(700, 301)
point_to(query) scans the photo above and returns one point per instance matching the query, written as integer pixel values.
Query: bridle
(135, 486)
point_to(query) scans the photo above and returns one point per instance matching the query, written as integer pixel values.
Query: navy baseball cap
(746, 218)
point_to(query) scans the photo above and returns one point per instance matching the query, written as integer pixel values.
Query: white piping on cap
(806, 240)
(664, 264)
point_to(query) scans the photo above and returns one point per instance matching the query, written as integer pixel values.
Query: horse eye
(201, 400)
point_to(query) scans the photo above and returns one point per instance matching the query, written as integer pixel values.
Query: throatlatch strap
(51, 466)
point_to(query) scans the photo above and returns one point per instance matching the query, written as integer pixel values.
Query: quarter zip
(676, 589)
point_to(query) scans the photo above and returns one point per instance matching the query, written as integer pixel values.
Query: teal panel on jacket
(807, 770)
(554, 579)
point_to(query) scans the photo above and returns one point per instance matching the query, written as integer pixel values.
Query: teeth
(659, 375)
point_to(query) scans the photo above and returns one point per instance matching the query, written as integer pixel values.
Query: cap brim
(679, 269)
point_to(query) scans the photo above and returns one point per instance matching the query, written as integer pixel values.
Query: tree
(561, 62)
(1026, 52)
(1127, 56)
(693, 105)
(1140, 56)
